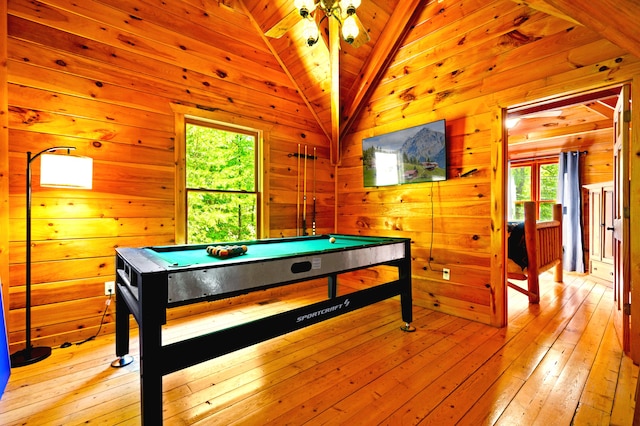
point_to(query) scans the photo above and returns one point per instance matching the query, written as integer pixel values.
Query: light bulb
(305, 7)
(349, 6)
(310, 32)
(350, 29)
(512, 122)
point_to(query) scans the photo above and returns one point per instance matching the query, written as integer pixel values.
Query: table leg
(406, 299)
(150, 391)
(152, 315)
(333, 286)
(122, 331)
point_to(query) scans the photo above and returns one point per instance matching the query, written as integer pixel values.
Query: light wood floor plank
(565, 396)
(625, 396)
(535, 395)
(321, 346)
(557, 363)
(601, 385)
(424, 369)
(324, 375)
(352, 380)
(460, 388)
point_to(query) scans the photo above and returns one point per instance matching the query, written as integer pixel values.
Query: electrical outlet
(446, 274)
(109, 288)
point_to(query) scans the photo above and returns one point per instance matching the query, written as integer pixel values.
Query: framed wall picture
(413, 155)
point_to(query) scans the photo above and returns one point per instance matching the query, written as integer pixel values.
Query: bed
(534, 247)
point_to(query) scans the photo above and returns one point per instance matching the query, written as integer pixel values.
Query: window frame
(184, 114)
(535, 164)
(256, 179)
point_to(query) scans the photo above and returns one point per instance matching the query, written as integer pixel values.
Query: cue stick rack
(304, 156)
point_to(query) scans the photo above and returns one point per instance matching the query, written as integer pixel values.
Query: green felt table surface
(186, 255)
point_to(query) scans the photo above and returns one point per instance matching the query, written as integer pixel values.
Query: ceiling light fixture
(344, 11)
(512, 122)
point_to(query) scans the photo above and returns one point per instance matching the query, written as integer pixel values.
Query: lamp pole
(29, 354)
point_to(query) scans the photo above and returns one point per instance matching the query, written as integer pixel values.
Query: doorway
(539, 131)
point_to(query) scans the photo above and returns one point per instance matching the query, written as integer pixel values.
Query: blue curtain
(569, 194)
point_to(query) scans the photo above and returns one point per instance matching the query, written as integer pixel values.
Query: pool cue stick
(313, 217)
(298, 195)
(304, 195)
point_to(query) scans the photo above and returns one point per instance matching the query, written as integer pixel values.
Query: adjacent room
(319, 212)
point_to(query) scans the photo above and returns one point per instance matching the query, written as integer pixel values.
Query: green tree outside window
(221, 184)
(534, 180)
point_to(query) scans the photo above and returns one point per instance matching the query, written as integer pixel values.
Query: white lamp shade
(66, 171)
(310, 32)
(350, 29)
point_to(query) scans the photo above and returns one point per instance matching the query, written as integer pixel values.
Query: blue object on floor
(5, 361)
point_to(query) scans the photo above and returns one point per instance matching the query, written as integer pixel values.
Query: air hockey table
(151, 280)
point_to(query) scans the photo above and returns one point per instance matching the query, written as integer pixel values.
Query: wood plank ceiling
(387, 22)
(334, 96)
(543, 129)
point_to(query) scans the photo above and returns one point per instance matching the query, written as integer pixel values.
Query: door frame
(634, 225)
(621, 240)
(634, 170)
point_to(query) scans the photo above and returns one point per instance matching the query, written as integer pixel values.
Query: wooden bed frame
(544, 250)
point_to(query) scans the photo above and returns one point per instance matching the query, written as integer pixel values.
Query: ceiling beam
(382, 54)
(564, 102)
(286, 70)
(612, 19)
(334, 53)
(602, 108)
(545, 7)
(562, 132)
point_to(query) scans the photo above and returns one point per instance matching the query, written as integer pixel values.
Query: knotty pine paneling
(102, 76)
(47, 272)
(59, 291)
(75, 248)
(464, 61)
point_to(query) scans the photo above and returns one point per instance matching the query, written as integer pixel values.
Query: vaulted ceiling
(336, 95)
(541, 129)
(334, 101)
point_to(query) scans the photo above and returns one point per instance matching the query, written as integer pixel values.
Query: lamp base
(30, 356)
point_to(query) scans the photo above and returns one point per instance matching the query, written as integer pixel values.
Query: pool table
(150, 280)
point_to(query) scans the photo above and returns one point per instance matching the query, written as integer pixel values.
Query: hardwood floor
(557, 363)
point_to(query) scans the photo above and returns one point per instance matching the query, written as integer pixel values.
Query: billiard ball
(332, 240)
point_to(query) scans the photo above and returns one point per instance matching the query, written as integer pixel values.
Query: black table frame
(146, 300)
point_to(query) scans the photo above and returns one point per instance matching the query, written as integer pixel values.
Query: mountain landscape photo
(413, 155)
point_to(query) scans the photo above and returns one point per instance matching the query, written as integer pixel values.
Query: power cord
(104, 314)
(432, 232)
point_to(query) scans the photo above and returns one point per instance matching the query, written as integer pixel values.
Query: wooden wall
(464, 63)
(102, 76)
(4, 163)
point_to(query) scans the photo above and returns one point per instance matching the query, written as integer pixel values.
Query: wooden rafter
(601, 108)
(334, 53)
(286, 70)
(544, 6)
(389, 42)
(560, 132)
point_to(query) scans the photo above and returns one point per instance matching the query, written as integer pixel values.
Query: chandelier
(344, 11)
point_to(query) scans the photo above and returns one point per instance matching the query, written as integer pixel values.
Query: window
(533, 180)
(221, 188)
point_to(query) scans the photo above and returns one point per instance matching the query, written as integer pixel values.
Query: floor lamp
(59, 171)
